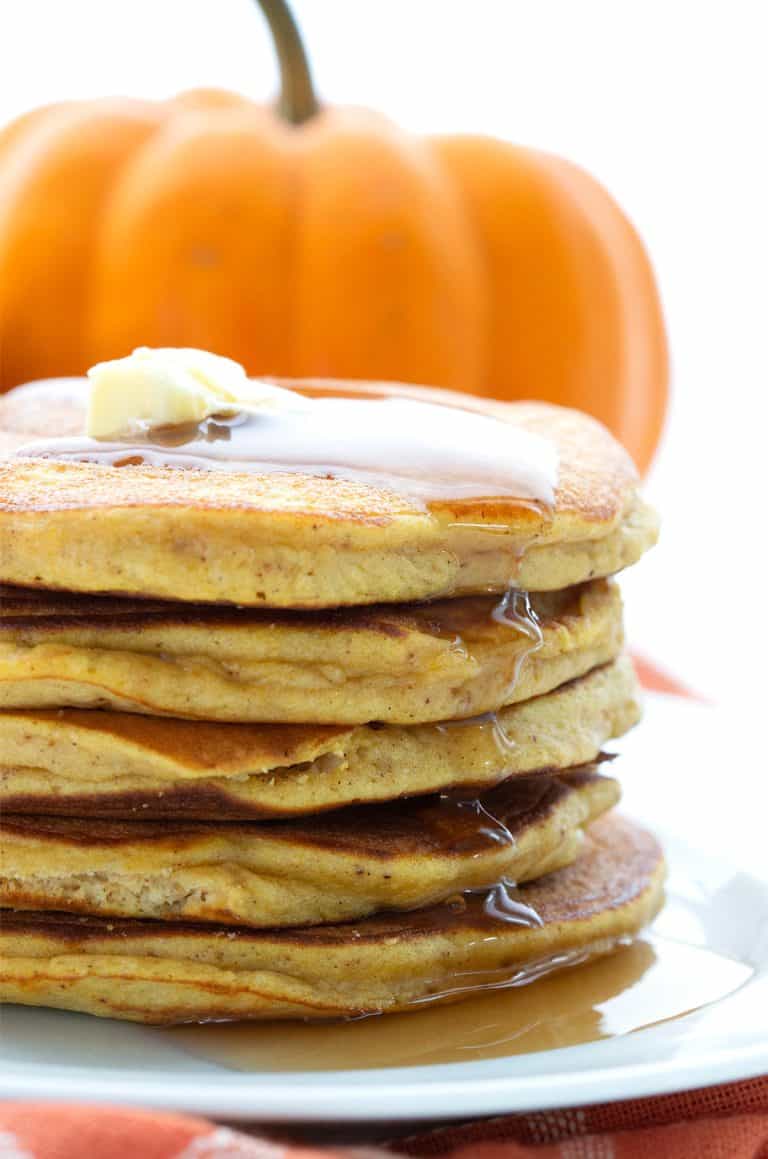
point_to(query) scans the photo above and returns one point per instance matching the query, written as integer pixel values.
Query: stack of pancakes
(289, 746)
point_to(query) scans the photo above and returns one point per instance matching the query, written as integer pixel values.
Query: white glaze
(424, 450)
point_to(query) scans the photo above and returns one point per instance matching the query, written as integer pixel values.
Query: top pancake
(293, 540)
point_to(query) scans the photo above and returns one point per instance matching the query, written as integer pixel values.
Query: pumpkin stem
(297, 101)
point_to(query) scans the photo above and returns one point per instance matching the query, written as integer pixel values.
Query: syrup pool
(651, 981)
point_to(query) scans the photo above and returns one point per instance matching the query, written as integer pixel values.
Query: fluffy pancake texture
(291, 540)
(326, 869)
(164, 972)
(91, 764)
(404, 665)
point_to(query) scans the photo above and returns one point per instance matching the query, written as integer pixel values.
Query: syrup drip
(422, 450)
(455, 823)
(501, 905)
(515, 611)
(472, 823)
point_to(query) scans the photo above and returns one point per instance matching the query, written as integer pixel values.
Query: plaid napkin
(725, 1122)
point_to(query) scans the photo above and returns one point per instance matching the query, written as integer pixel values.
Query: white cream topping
(193, 409)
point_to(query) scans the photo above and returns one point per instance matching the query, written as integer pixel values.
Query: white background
(665, 102)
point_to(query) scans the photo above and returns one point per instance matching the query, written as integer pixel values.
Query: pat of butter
(164, 387)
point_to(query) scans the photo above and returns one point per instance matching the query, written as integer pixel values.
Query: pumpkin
(311, 241)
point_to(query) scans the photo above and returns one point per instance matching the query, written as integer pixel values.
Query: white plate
(710, 815)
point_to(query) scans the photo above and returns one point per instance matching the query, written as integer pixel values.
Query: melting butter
(172, 386)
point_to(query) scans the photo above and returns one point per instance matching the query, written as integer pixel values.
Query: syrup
(450, 822)
(422, 450)
(651, 981)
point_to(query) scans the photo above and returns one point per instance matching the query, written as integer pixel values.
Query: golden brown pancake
(293, 540)
(164, 972)
(342, 865)
(107, 764)
(401, 665)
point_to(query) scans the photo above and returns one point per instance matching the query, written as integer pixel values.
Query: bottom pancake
(399, 855)
(158, 972)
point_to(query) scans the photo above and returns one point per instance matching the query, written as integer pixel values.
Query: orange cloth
(725, 1122)
(655, 679)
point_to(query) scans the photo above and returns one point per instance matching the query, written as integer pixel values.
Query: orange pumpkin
(312, 241)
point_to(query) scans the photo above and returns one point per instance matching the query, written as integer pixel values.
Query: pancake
(402, 665)
(297, 540)
(342, 865)
(107, 764)
(165, 972)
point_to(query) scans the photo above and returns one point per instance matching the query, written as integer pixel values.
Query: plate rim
(263, 1098)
